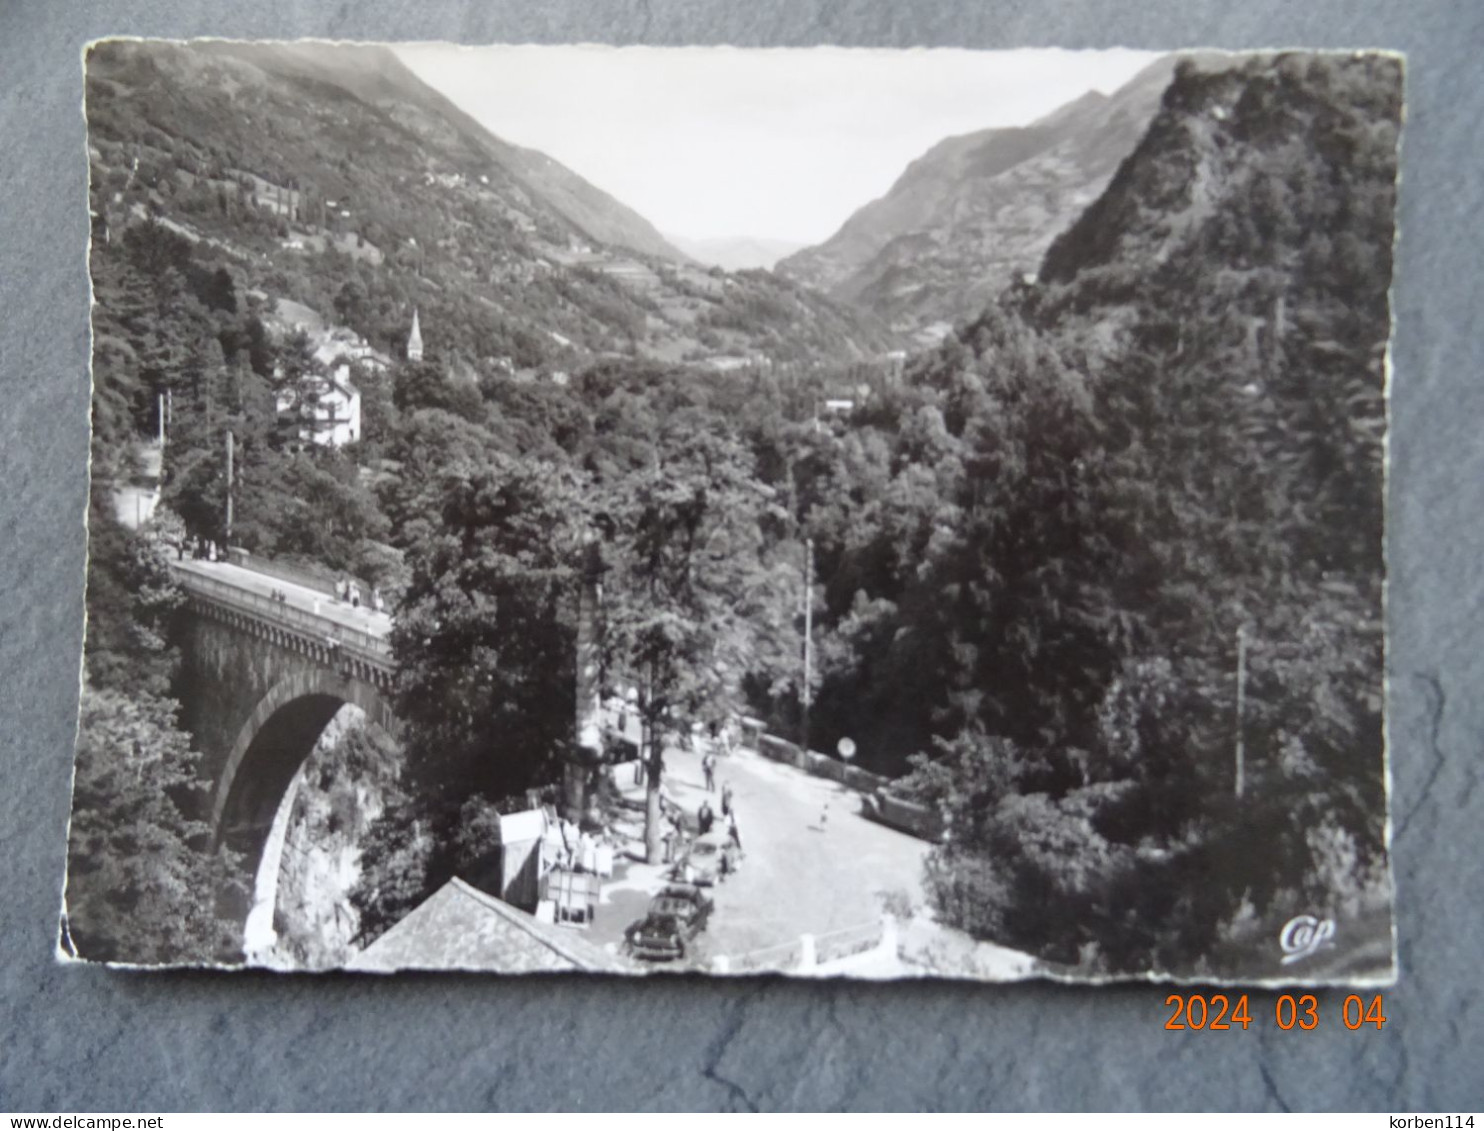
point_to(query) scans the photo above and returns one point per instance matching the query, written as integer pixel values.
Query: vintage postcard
(857, 513)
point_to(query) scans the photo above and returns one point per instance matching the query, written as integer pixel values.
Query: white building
(329, 408)
(342, 345)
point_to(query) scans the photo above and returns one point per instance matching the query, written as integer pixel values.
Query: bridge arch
(273, 743)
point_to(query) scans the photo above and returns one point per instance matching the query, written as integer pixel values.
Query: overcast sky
(782, 144)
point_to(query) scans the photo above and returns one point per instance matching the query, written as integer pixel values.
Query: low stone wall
(813, 762)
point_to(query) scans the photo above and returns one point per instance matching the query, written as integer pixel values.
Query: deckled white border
(1378, 980)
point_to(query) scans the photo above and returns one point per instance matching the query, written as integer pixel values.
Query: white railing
(833, 945)
(784, 956)
(807, 951)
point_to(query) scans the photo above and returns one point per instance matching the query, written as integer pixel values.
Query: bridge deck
(305, 609)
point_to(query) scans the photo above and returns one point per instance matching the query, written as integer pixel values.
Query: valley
(1043, 501)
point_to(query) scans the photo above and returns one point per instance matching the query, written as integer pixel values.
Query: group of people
(576, 849)
(344, 591)
(706, 816)
(200, 549)
(723, 738)
(350, 592)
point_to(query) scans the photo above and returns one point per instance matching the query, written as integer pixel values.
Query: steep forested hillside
(1047, 556)
(1046, 553)
(377, 78)
(978, 211)
(334, 177)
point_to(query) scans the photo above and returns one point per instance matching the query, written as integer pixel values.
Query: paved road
(299, 596)
(813, 863)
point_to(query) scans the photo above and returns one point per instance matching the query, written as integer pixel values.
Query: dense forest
(1045, 554)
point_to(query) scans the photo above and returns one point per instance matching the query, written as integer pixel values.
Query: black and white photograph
(846, 513)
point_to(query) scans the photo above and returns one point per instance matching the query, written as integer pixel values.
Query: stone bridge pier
(256, 694)
(261, 678)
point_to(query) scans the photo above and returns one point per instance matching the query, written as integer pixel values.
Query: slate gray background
(89, 1039)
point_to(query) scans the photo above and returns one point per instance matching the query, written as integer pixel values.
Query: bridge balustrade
(365, 645)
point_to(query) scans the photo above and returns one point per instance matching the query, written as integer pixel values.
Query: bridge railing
(321, 580)
(370, 647)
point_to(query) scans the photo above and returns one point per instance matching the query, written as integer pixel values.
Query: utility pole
(1241, 706)
(227, 541)
(808, 634)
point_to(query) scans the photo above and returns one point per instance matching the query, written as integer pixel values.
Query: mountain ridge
(377, 76)
(336, 178)
(977, 210)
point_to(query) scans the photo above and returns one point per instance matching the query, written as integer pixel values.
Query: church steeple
(415, 340)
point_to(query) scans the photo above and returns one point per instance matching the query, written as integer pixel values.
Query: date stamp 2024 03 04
(1220, 1011)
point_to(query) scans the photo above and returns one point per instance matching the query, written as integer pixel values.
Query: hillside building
(328, 408)
(341, 345)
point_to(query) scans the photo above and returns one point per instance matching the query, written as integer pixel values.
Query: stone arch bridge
(262, 675)
(261, 679)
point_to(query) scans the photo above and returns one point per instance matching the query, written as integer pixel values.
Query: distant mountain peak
(979, 209)
(735, 253)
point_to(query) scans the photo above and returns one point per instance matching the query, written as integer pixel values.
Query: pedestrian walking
(705, 818)
(733, 833)
(708, 768)
(726, 798)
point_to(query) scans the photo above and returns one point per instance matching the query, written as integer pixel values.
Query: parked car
(676, 916)
(708, 860)
(925, 821)
(687, 903)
